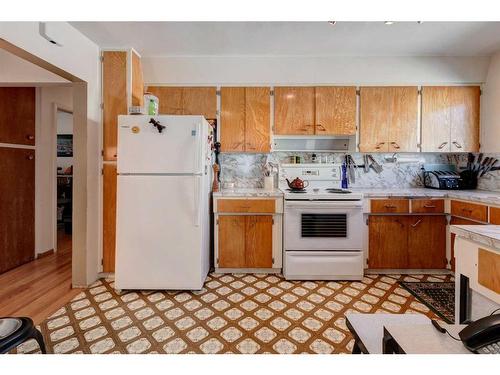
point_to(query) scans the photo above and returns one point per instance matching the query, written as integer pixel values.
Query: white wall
(490, 108)
(80, 57)
(45, 185)
(205, 70)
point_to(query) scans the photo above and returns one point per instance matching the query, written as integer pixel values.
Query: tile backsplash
(245, 170)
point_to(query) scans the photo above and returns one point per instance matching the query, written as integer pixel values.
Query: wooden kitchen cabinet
(109, 217)
(450, 118)
(245, 119)
(427, 242)
(17, 115)
(17, 207)
(335, 110)
(232, 241)
(322, 110)
(388, 241)
(468, 210)
(186, 100)
(388, 119)
(495, 215)
(294, 110)
(121, 76)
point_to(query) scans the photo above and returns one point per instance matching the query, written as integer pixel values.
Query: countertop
(248, 192)
(488, 235)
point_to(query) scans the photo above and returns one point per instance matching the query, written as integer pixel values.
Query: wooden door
(388, 119)
(464, 107)
(427, 242)
(109, 217)
(388, 242)
(257, 119)
(17, 115)
(335, 110)
(114, 89)
(231, 241)
(170, 99)
(294, 110)
(436, 119)
(457, 221)
(200, 101)
(137, 81)
(232, 119)
(17, 207)
(259, 241)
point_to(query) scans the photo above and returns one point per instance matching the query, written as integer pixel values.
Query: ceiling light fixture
(389, 22)
(332, 22)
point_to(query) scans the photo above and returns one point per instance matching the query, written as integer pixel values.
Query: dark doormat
(439, 297)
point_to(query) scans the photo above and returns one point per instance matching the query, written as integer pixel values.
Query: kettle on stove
(297, 184)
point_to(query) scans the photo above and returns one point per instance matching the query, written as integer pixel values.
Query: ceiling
(297, 38)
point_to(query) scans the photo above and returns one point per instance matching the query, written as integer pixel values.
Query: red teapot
(297, 184)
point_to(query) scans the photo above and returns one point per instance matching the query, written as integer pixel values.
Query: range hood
(315, 143)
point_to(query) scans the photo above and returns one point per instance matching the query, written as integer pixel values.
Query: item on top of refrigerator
(151, 104)
(136, 110)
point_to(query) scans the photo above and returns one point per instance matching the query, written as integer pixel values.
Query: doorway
(64, 180)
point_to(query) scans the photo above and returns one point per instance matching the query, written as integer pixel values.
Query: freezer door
(160, 242)
(179, 148)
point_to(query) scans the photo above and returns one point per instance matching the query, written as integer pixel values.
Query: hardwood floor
(39, 288)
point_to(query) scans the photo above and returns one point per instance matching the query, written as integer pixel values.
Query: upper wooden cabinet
(245, 119)
(326, 110)
(122, 87)
(450, 118)
(186, 100)
(388, 119)
(17, 115)
(335, 110)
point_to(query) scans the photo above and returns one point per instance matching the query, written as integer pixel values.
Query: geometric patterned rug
(439, 297)
(233, 313)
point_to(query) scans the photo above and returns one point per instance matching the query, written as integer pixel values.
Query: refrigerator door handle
(197, 159)
(197, 200)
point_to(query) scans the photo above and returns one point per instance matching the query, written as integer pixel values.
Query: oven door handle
(321, 205)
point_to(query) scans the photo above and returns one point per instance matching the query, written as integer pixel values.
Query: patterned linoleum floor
(235, 313)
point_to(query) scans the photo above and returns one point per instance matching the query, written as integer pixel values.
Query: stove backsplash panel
(245, 170)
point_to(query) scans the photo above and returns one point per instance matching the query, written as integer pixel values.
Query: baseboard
(45, 254)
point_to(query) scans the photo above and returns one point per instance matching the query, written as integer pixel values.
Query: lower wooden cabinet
(407, 242)
(245, 241)
(109, 217)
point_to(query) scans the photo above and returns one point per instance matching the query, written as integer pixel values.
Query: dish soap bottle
(344, 181)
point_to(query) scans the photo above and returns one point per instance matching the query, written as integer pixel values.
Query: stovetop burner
(338, 191)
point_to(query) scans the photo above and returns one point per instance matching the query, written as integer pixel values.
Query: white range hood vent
(340, 143)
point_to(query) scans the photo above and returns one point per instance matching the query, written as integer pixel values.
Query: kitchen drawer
(468, 210)
(495, 215)
(323, 265)
(390, 206)
(423, 206)
(246, 205)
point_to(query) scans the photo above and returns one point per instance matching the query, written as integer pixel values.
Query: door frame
(56, 107)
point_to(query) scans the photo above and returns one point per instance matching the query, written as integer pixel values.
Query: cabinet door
(436, 119)
(17, 207)
(464, 107)
(259, 241)
(457, 221)
(388, 119)
(17, 115)
(231, 241)
(200, 101)
(293, 110)
(388, 242)
(137, 81)
(495, 215)
(170, 99)
(232, 119)
(109, 217)
(335, 110)
(114, 77)
(427, 242)
(257, 119)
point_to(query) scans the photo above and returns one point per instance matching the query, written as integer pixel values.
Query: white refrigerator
(163, 197)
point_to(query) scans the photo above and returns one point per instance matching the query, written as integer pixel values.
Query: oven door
(323, 225)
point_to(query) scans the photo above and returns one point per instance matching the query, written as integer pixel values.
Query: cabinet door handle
(321, 127)
(30, 137)
(457, 145)
(379, 145)
(418, 222)
(395, 145)
(442, 145)
(30, 157)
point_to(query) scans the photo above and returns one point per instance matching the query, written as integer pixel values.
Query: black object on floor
(438, 296)
(15, 331)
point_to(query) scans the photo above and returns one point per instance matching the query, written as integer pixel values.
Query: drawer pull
(467, 210)
(418, 222)
(429, 206)
(389, 206)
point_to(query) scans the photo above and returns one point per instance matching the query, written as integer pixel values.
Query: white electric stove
(323, 225)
